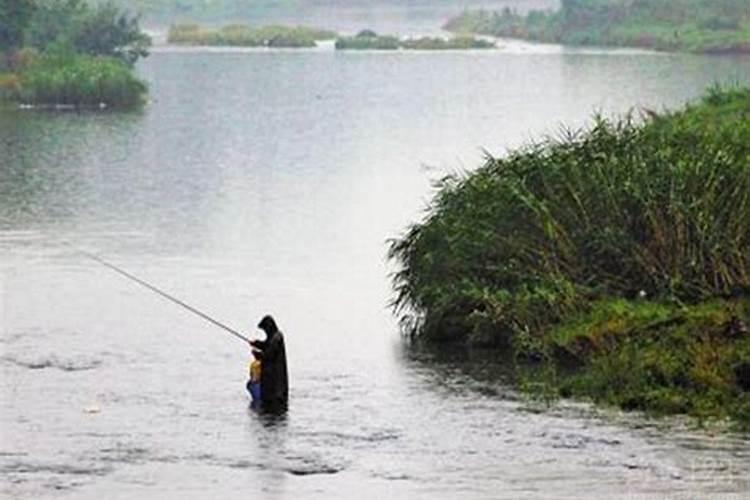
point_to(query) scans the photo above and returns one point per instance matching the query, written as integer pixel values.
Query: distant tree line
(706, 26)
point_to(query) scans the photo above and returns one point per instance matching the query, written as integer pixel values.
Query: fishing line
(160, 292)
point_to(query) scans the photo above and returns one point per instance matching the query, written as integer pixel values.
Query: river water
(262, 182)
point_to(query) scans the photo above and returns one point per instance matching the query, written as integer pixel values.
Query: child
(253, 385)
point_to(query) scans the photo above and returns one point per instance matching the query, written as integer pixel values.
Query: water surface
(269, 181)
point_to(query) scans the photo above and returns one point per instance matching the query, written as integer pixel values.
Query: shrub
(10, 86)
(367, 40)
(101, 29)
(80, 81)
(660, 208)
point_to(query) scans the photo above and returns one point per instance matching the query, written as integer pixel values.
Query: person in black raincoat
(274, 383)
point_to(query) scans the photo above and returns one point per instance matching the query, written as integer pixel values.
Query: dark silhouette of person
(274, 382)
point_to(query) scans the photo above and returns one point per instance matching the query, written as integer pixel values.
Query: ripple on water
(54, 469)
(310, 465)
(66, 365)
(578, 441)
(372, 437)
(50, 476)
(125, 454)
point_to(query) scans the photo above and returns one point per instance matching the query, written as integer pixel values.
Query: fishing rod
(160, 292)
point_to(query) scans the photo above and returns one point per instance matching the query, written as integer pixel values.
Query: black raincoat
(274, 382)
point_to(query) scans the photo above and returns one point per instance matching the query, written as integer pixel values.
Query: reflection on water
(268, 182)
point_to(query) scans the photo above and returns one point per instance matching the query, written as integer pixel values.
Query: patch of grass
(687, 363)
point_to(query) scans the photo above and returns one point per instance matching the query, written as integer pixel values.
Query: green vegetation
(67, 52)
(369, 40)
(164, 12)
(75, 26)
(241, 35)
(457, 43)
(77, 80)
(662, 357)
(704, 26)
(628, 238)
(14, 17)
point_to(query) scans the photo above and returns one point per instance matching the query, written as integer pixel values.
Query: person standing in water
(274, 382)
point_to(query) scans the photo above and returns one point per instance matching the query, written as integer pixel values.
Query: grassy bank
(73, 80)
(241, 35)
(701, 26)
(661, 357)
(529, 250)
(369, 40)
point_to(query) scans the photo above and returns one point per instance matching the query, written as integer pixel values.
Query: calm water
(258, 182)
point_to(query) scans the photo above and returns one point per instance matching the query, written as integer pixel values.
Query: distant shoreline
(304, 37)
(716, 27)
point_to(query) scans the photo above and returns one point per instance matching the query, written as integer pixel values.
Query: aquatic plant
(661, 207)
(79, 80)
(652, 210)
(73, 54)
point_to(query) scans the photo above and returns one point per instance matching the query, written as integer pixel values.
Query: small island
(243, 35)
(369, 40)
(697, 26)
(276, 36)
(613, 262)
(71, 54)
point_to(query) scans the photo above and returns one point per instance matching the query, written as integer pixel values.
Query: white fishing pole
(160, 292)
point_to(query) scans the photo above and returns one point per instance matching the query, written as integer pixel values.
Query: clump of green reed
(625, 208)
(242, 35)
(81, 81)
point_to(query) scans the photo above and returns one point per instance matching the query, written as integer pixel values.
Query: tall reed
(79, 80)
(659, 208)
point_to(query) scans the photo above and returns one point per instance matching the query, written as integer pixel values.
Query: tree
(53, 21)
(14, 16)
(106, 30)
(101, 30)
